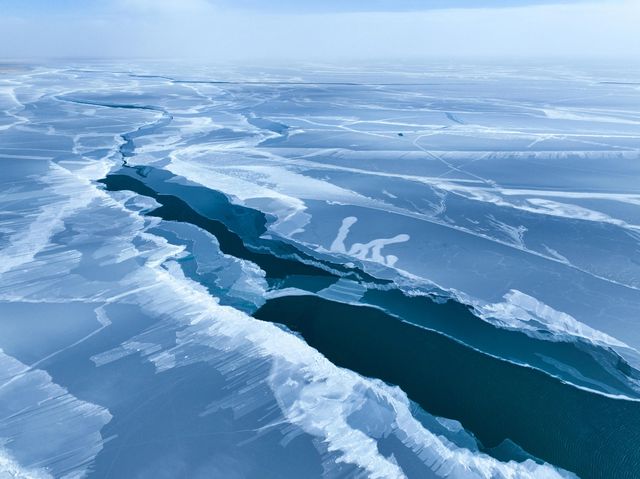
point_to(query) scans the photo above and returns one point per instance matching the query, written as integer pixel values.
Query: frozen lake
(417, 271)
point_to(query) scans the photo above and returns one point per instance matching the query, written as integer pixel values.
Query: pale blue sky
(326, 30)
(97, 6)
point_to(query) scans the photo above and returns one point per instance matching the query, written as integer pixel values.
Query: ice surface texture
(169, 241)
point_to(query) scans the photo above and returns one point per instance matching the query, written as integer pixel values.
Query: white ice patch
(344, 291)
(11, 106)
(43, 426)
(67, 194)
(543, 206)
(586, 115)
(371, 251)
(10, 469)
(514, 233)
(135, 202)
(524, 312)
(289, 210)
(281, 293)
(390, 195)
(126, 349)
(297, 185)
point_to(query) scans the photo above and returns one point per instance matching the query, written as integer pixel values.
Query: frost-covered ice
(521, 311)
(127, 346)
